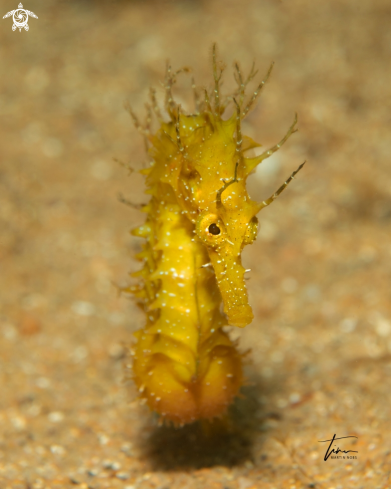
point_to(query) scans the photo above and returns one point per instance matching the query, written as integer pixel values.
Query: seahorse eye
(214, 229)
(251, 231)
(210, 229)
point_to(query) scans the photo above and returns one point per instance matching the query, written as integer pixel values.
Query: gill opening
(226, 184)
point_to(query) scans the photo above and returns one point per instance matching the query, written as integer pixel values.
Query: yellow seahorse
(199, 218)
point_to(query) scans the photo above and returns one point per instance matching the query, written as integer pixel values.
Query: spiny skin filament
(198, 220)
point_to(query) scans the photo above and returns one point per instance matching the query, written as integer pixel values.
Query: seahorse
(198, 220)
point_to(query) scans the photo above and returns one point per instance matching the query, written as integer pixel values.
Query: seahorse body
(199, 218)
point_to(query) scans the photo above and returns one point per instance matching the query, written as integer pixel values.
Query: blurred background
(320, 284)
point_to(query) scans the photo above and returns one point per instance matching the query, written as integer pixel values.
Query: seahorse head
(203, 158)
(225, 216)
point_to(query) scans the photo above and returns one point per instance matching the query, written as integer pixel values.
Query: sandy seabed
(320, 361)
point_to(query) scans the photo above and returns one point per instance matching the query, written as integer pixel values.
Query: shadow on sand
(199, 445)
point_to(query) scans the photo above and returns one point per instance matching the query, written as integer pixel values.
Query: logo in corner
(20, 17)
(331, 452)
